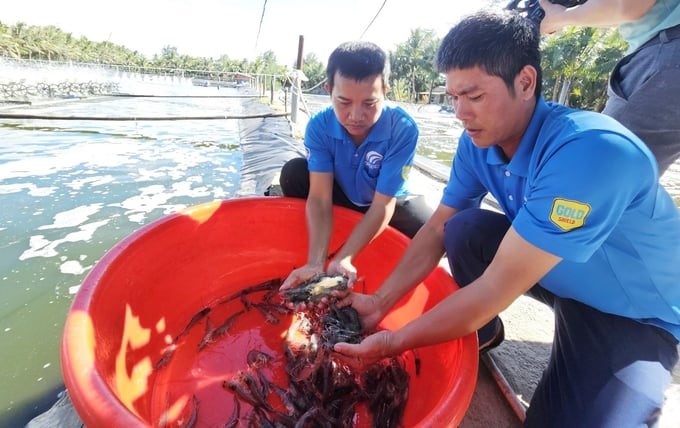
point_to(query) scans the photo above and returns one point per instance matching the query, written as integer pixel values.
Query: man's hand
(551, 22)
(370, 350)
(367, 306)
(300, 275)
(593, 13)
(345, 268)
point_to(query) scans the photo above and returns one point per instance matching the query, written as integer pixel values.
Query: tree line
(576, 63)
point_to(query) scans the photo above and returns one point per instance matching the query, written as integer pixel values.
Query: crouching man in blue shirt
(586, 228)
(359, 155)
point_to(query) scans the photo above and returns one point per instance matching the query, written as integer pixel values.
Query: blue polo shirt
(381, 163)
(584, 188)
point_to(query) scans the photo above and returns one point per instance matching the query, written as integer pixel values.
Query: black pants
(604, 371)
(409, 215)
(643, 95)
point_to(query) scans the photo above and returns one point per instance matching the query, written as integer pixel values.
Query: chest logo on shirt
(373, 160)
(569, 215)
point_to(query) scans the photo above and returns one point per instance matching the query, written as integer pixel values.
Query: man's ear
(526, 82)
(327, 87)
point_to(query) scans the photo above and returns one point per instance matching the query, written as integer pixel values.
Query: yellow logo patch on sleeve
(405, 171)
(569, 215)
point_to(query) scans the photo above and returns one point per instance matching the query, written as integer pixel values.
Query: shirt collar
(379, 132)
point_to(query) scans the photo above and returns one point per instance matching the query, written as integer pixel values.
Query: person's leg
(410, 214)
(294, 180)
(644, 88)
(604, 371)
(471, 239)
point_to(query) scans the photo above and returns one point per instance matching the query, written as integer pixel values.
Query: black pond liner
(266, 144)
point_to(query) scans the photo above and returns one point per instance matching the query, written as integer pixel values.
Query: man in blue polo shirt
(586, 228)
(359, 154)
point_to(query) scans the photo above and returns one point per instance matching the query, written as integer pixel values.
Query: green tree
(577, 63)
(315, 71)
(22, 41)
(413, 65)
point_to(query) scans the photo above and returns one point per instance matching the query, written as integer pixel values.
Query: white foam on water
(158, 196)
(39, 246)
(31, 188)
(219, 193)
(99, 155)
(231, 169)
(73, 217)
(73, 267)
(91, 181)
(184, 188)
(151, 197)
(145, 175)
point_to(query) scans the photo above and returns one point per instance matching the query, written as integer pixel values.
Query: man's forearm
(319, 224)
(421, 257)
(596, 13)
(373, 222)
(516, 267)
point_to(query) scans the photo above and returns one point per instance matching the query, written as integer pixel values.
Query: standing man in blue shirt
(586, 228)
(359, 155)
(644, 86)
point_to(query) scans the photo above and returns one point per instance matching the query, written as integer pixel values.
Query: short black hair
(499, 42)
(358, 60)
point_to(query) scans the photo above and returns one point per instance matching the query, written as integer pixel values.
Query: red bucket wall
(145, 290)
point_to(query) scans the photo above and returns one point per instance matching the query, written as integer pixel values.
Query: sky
(211, 28)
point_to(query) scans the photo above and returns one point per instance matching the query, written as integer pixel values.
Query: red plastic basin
(148, 287)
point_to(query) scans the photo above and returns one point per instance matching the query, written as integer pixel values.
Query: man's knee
(474, 227)
(410, 215)
(457, 228)
(294, 178)
(471, 238)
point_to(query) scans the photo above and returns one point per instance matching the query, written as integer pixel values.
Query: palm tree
(577, 62)
(413, 61)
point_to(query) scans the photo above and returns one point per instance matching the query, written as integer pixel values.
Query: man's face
(358, 105)
(491, 114)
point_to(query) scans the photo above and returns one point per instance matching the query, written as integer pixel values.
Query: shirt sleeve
(581, 192)
(399, 158)
(318, 145)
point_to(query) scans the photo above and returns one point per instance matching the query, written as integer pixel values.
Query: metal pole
(271, 91)
(296, 90)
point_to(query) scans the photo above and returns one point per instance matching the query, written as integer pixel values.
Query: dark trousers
(604, 370)
(409, 215)
(644, 88)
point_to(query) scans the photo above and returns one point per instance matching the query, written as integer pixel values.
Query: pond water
(69, 190)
